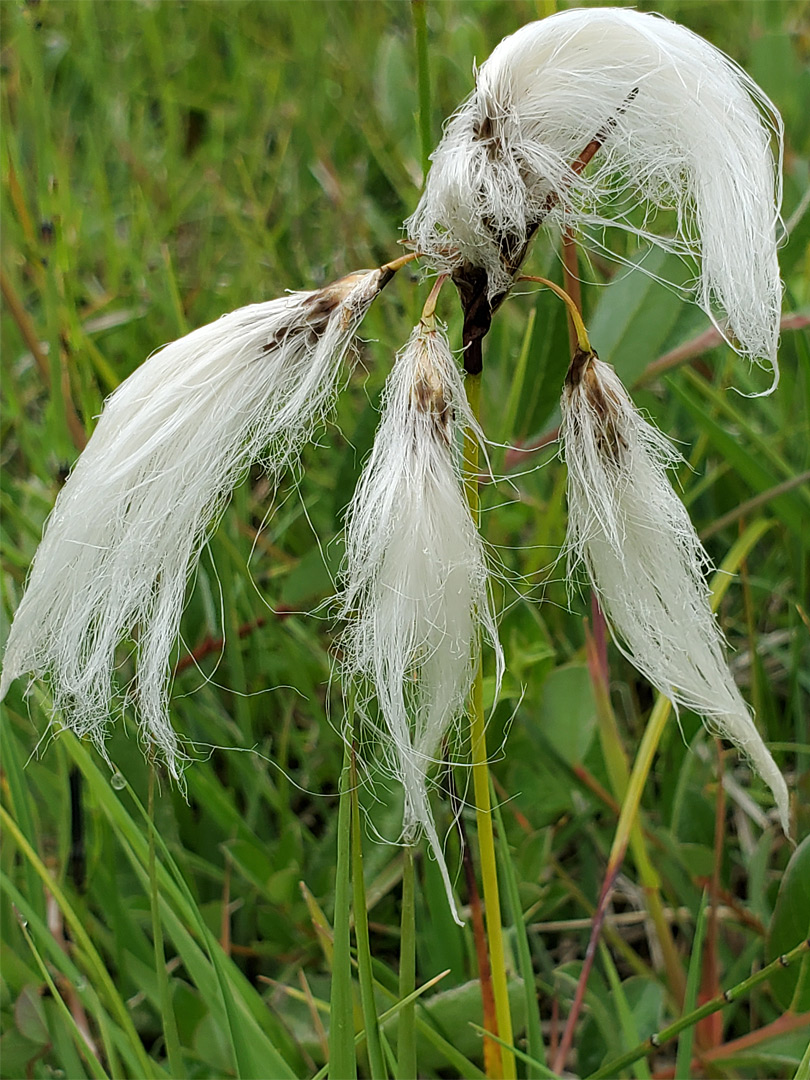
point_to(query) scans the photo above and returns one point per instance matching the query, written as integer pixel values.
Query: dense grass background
(164, 163)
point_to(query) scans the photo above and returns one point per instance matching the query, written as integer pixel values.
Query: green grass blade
(244, 1013)
(406, 1033)
(170, 1034)
(537, 1050)
(517, 389)
(753, 467)
(22, 808)
(423, 71)
(342, 1060)
(82, 939)
(92, 1061)
(374, 1046)
(538, 1067)
(626, 1019)
(803, 1071)
(683, 1062)
(63, 964)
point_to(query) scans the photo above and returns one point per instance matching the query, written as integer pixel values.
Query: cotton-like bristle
(171, 443)
(646, 563)
(415, 586)
(680, 126)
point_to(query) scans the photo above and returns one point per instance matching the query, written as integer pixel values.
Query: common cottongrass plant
(668, 121)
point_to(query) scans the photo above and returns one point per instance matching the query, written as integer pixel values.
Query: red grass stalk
(492, 1051)
(596, 929)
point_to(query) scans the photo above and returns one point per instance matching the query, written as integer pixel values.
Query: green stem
(170, 1033)
(418, 8)
(649, 1046)
(342, 1060)
(480, 772)
(406, 1033)
(373, 1044)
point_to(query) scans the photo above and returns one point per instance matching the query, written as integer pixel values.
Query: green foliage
(164, 163)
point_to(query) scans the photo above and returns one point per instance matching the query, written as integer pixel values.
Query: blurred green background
(164, 163)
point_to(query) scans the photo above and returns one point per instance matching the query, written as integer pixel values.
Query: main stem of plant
(480, 771)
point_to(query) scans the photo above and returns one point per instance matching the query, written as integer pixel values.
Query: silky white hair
(415, 584)
(128, 527)
(681, 127)
(632, 533)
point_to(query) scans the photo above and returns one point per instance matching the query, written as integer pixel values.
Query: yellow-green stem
(480, 772)
(580, 332)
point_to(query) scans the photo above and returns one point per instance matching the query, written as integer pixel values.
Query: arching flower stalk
(677, 125)
(415, 580)
(631, 532)
(129, 525)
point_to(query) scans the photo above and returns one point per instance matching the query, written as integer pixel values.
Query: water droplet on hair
(118, 781)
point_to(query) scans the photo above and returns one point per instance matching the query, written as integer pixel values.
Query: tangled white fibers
(128, 527)
(631, 531)
(679, 125)
(415, 580)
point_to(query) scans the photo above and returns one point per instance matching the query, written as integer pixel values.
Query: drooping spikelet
(415, 581)
(677, 125)
(631, 531)
(129, 525)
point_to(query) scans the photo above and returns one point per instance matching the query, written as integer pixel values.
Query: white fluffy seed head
(415, 583)
(129, 525)
(681, 127)
(632, 533)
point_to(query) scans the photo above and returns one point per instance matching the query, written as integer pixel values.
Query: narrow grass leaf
(170, 1034)
(95, 1066)
(375, 1055)
(683, 1061)
(752, 468)
(406, 1028)
(245, 1016)
(69, 971)
(540, 1068)
(82, 938)
(22, 807)
(627, 1021)
(510, 877)
(342, 1060)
